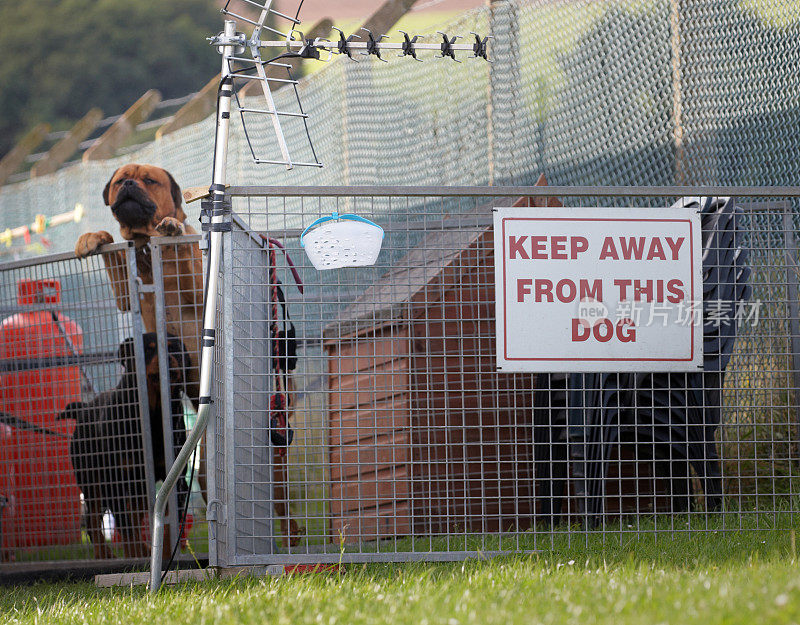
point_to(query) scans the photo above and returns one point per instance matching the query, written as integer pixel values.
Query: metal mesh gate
(407, 443)
(94, 400)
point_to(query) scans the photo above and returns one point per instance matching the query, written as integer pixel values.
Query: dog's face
(140, 196)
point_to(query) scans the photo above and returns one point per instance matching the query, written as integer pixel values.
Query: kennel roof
(432, 265)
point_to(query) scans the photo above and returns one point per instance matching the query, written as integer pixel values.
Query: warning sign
(598, 289)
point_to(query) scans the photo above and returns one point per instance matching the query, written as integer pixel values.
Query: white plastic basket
(339, 241)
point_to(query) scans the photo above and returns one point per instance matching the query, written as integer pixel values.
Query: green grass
(702, 578)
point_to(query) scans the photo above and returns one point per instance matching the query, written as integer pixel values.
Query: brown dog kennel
(425, 436)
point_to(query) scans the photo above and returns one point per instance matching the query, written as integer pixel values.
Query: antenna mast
(231, 45)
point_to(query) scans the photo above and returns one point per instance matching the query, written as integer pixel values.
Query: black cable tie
(480, 48)
(204, 400)
(209, 333)
(344, 43)
(217, 187)
(372, 45)
(225, 115)
(206, 207)
(208, 342)
(409, 45)
(226, 226)
(226, 93)
(309, 50)
(447, 46)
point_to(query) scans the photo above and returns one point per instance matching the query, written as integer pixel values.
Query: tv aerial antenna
(266, 55)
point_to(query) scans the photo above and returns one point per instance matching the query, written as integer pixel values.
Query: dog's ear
(177, 194)
(127, 355)
(108, 187)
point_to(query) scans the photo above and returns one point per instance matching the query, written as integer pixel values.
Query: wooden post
(195, 110)
(204, 102)
(110, 141)
(12, 161)
(61, 151)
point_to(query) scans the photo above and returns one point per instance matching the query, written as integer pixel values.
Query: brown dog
(147, 202)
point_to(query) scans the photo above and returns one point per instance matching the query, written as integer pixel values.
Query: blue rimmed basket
(346, 240)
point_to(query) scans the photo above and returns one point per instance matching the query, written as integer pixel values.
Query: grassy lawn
(703, 578)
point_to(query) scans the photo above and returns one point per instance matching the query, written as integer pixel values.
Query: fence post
(792, 270)
(12, 161)
(503, 84)
(141, 374)
(164, 386)
(61, 151)
(677, 92)
(111, 140)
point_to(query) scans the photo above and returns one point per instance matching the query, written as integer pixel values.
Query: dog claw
(90, 242)
(170, 227)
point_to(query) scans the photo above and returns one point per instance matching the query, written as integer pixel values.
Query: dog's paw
(170, 227)
(90, 242)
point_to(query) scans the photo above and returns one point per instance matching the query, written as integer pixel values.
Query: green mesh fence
(588, 92)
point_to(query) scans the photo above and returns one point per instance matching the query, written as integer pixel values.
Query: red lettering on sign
(538, 245)
(577, 246)
(609, 250)
(623, 288)
(675, 288)
(633, 248)
(515, 247)
(656, 250)
(580, 331)
(559, 248)
(675, 246)
(523, 289)
(594, 292)
(544, 289)
(603, 331)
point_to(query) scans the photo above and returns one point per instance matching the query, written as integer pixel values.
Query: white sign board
(598, 289)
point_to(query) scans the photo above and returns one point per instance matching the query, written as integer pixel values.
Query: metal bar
(141, 374)
(283, 15)
(32, 364)
(362, 45)
(792, 292)
(251, 77)
(209, 320)
(229, 419)
(362, 558)
(289, 165)
(282, 113)
(516, 191)
(271, 106)
(55, 258)
(273, 11)
(421, 226)
(164, 387)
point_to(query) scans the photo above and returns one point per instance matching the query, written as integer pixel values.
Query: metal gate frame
(233, 519)
(38, 266)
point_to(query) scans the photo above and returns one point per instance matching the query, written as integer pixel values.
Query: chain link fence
(613, 93)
